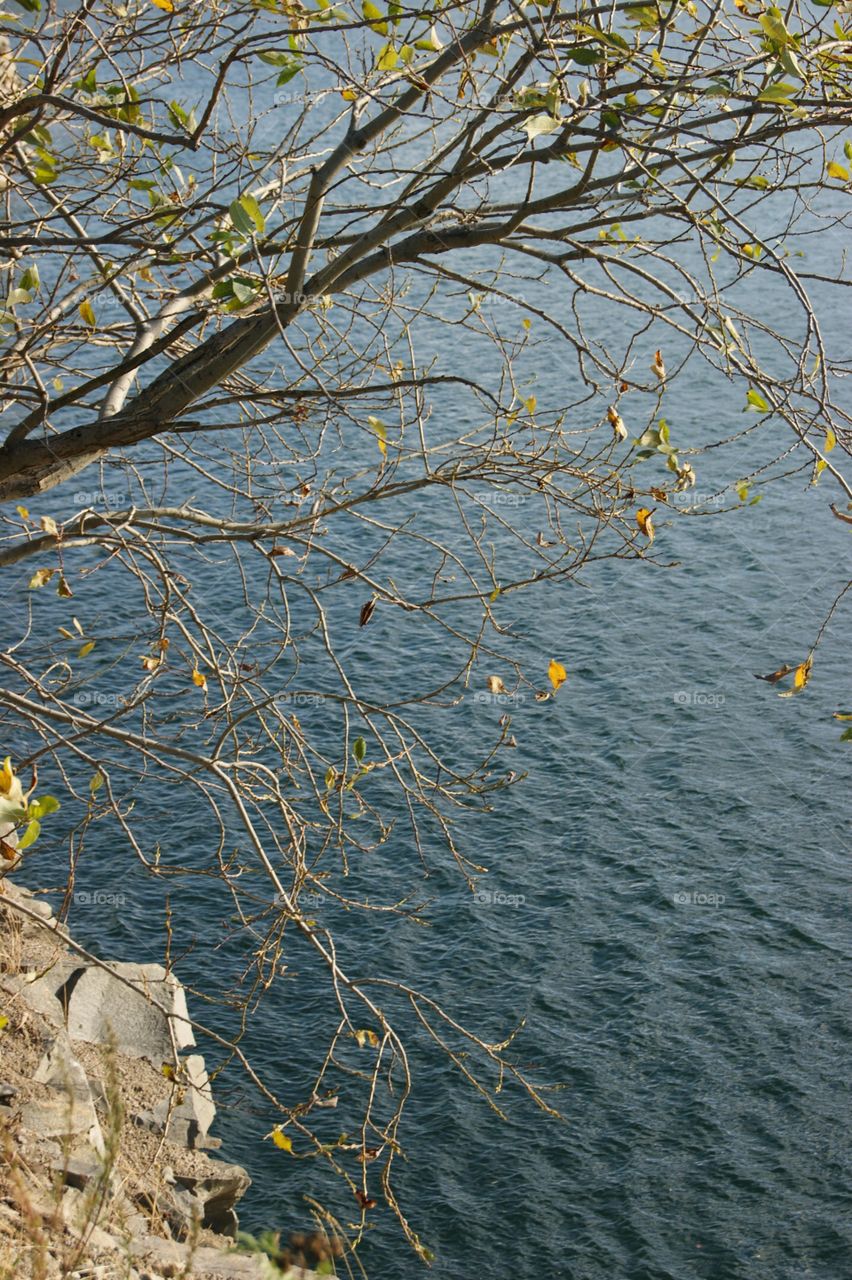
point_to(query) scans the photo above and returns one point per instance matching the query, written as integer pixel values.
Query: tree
(243, 245)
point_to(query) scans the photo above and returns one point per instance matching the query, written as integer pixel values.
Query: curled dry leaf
(365, 1038)
(496, 685)
(645, 523)
(617, 423)
(659, 366)
(775, 676)
(366, 611)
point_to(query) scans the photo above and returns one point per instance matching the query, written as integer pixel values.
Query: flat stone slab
(100, 1007)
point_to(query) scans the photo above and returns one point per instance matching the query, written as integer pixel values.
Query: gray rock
(61, 1070)
(77, 1215)
(207, 1263)
(209, 1200)
(78, 1169)
(100, 1006)
(43, 992)
(190, 1119)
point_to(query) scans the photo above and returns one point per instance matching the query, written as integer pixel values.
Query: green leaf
(96, 783)
(30, 835)
(242, 219)
(244, 294)
(288, 72)
(41, 808)
(388, 58)
(779, 92)
(30, 279)
(359, 749)
(535, 126)
(375, 17)
(756, 401)
(252, 208)
(585, 55)
(275, 58)
(774, 28)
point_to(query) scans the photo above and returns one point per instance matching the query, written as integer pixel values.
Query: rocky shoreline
(105, 1117)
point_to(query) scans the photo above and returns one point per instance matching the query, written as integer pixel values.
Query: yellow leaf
(87, 313)
(86, 649)
(388, 58)
(4, 1022)
(150, 663)
(348, 95)
(281, 1140)
(530, 404)
(7, 776)
(40, 578)
(95, 785)
(381, 433)
(166, 5)
(23, 513)
(527, 323)
(366, 1037)
(557, 673)
(830, 442)
(801, 676)
(375, 17)
(199, 678)
(645, 523)
(835, 170)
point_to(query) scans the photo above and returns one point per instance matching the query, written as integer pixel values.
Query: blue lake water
(667, 904)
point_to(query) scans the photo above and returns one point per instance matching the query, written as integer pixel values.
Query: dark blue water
(665, 910)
